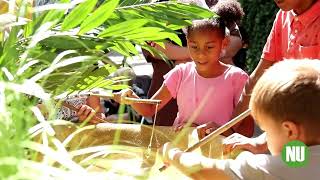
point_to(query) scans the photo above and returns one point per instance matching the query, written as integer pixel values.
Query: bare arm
(246, 94)
(255, 145)
(192, 164)
(91, 111)
(148, 110)
(254, 77)
(94, 102)
(174, 52)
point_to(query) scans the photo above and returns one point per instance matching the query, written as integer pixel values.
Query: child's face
(277, 136)
(287, 5)
(205, 48)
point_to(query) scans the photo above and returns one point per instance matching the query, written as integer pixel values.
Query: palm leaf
(97, 78)
(38, 56)
(65, 42)
(99, 16)
(123, 27)
(169, 12)
(78, 14)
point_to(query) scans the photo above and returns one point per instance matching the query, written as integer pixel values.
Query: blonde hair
(290, 90)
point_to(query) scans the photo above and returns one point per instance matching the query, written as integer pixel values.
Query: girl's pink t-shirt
(189, 88)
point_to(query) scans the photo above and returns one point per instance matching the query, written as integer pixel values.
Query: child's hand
(168, 152)
(119, 97)
(205, 129)
(86, 112)
(179, 127)
(255, 145)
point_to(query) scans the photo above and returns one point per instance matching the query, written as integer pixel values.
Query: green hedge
(258, 21)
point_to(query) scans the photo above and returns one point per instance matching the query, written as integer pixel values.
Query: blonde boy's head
(290, 91)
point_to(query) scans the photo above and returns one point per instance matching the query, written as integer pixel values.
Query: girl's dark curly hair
(228, 10)
(214, 23)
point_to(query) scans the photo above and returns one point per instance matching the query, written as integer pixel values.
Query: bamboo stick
(111, 96)
(105, 95)
(219, 131)
(216, 133)
(133, 100)
(146, 101)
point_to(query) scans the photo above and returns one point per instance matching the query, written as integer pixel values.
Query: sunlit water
(133, 156)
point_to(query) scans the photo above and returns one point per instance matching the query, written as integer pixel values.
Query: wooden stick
(147, 101)
(111, 96)
(133, 100)
(216, 133)
(219, 131)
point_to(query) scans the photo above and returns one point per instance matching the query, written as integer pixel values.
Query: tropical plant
(62, 49)
(258, 25)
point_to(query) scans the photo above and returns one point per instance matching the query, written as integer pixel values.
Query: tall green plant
(57, 52)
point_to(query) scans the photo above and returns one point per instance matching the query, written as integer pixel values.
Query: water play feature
(125, 148)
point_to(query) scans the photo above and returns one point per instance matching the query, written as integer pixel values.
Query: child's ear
(291, 130)
(225, 42)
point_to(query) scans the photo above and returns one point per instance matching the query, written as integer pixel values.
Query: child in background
(295, 35)
(88, 106)
(91, 105)
(189, 83)
(233, 13)
(285, 104)
(177, 55)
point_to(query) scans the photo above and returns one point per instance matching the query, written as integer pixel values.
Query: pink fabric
(189, 88)
(294, 36)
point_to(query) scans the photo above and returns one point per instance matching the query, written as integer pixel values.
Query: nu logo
(295, 154)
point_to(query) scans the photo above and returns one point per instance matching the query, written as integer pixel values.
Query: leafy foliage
(258, 22)
(63, 49)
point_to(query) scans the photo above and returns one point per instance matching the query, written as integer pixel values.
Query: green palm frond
(96, 32)
(63, 49)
